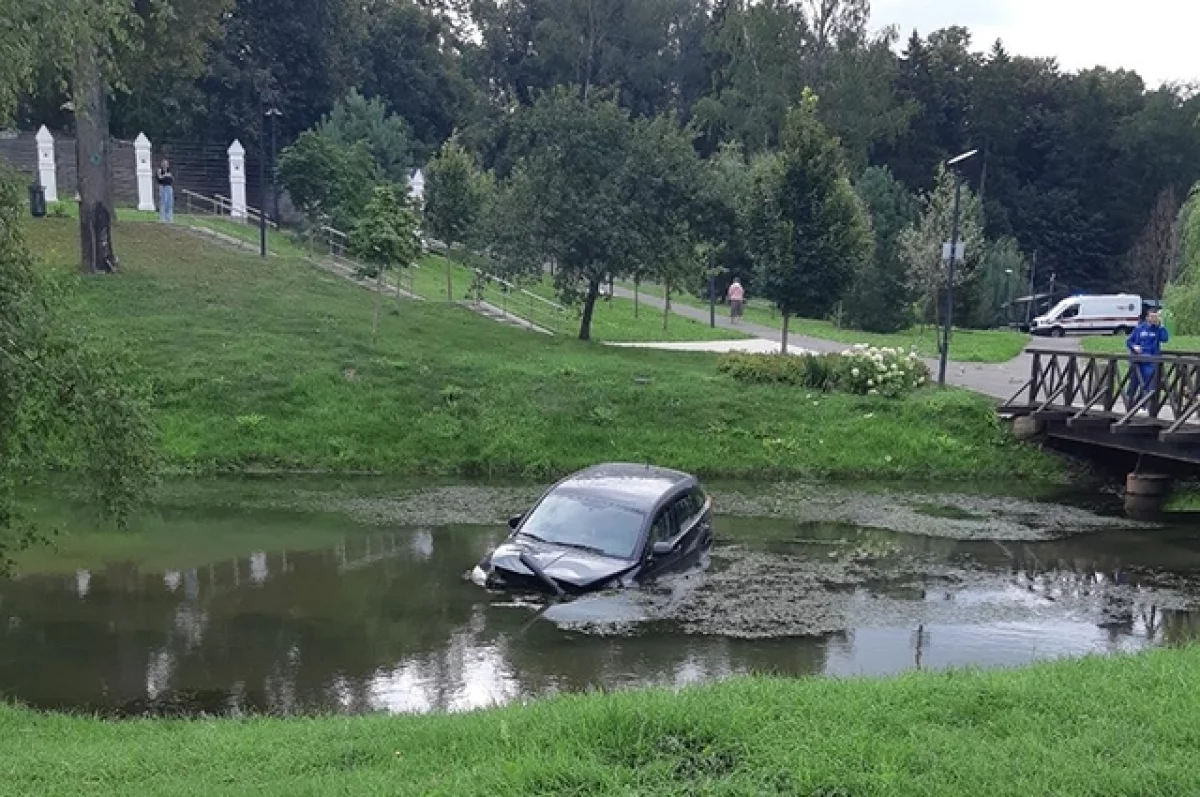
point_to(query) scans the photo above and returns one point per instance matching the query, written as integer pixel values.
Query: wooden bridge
(1101, 399)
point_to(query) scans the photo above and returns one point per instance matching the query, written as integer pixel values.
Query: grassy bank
(966, 345)
(1117, 726)
(1115, 344)
(269, 363)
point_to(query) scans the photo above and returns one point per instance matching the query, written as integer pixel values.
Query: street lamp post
(273, 114)
(1008, 297)
(945, 347)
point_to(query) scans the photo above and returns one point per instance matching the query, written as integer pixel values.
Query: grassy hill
(269, 364)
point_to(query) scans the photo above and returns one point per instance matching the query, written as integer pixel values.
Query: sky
(1160, 39)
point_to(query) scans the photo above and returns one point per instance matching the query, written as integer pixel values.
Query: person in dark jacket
(1147, 340)
(166, 192)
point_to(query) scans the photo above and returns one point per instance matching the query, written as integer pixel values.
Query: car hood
(566, 565)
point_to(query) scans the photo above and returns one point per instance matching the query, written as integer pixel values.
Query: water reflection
(385, 621)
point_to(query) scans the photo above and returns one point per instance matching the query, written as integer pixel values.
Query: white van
(1090, 315)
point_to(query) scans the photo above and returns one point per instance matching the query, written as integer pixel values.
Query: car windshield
(586, 522)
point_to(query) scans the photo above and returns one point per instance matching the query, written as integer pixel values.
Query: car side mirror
(515, 521)
(662, 549)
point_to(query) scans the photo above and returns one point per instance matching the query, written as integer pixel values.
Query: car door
(684, 525)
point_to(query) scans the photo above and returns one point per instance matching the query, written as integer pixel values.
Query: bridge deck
(1146, 405)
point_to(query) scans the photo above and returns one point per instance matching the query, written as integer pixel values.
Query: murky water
(228, 610)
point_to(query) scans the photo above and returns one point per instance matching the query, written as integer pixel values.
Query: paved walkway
(998, 380)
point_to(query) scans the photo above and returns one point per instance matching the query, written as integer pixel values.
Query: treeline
(1073, 168)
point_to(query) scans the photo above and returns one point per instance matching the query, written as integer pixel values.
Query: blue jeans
(166, 203)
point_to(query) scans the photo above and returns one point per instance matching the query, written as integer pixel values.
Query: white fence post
(46, 169)
(145, 172)
(237, 180)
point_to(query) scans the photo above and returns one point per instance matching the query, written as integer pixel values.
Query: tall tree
(385, 239)
(581, 192)
(82, 39)
(456, 192)
(1154, 260)
(921, 246)
(358, 120)
(881, 300)
(810, 233)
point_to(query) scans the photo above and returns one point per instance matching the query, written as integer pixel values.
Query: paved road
(998, 380)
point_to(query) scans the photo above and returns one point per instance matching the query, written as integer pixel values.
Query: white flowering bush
(870, 371)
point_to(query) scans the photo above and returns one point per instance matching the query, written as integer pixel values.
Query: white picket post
(237, 180)
(145, 172)
(47, 174)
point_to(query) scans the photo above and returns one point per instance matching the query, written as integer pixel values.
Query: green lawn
(269, 363)
(1125, 725)
(1115, 344)
(966, 345)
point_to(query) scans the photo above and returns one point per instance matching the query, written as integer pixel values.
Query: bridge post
(1035, 378)
(1146, 493)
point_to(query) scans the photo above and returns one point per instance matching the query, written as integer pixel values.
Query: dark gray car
(609, 525)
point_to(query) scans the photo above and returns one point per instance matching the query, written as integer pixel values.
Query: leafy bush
(808, 369)
(58, 210)
(862, 370)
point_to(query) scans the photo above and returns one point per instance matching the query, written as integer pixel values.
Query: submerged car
(610, 525)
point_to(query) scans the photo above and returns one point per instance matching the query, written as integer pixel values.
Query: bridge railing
(1125, 389)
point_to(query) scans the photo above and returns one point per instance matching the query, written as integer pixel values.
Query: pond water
(240, 609)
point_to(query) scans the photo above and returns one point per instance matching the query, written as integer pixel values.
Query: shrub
(862, 370)
(887, 372)
(807, 369)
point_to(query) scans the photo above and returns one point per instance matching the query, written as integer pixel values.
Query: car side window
(687, 508)
(1071, 311)
(663, 528)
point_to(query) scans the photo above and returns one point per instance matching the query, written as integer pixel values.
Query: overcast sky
(1160, 39)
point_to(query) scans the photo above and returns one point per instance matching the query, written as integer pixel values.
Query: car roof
(640, 487)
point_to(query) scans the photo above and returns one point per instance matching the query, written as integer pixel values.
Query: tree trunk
(666, 304)
(783, 348)
(399, 274)
(449, 283)
(378, 302)
(92, 155)
(636, 283)
(589, 305)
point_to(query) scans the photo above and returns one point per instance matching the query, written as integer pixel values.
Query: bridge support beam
(1146, 493)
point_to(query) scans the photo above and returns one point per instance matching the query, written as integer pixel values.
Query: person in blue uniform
(1147, 339)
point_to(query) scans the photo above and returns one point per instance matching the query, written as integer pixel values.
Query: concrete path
(997, 380)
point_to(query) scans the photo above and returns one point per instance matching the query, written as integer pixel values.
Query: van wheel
(1057, 332)
(1122, 331)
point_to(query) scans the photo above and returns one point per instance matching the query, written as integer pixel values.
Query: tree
(325, 180)
(568, 201)
(357, 120)
(65, 402)
(384, 239)
(1154, 260)
(81, 38)
(664, 176)
(1001, 274)
(1183, 295)
(416, 62)
(455, 193)
(921, 246)
(811, 234)
(880, 300)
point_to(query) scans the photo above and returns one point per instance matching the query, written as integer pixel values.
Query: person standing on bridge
(736, 297)
(1146, 340)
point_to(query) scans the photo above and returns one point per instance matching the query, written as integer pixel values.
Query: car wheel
(1057, 332)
